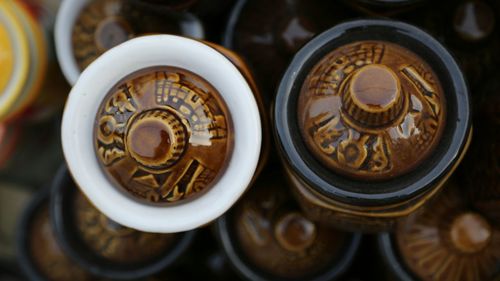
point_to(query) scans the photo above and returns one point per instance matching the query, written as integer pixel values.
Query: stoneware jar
(103, 247)
(85, 29)
(162, 133)
(267, 237)
(372, 116)
(39, 254)
(23, 59)
(449, 240)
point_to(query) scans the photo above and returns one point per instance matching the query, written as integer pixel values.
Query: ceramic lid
(39, 254)
(162, 119)
(268, 237)
(103, 24)
(114, 242)
(104, 247)
(371, 110)
(164, 134)
(14, 57)
(450, 239)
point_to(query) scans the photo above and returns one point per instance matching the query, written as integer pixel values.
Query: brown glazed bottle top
(104, 24)
(99, 27)
(371, 110)
(450, 241)
(114, 242)
(163, 134)
(277, 238)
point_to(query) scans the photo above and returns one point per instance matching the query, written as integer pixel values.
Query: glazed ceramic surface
(371, 117)
(84, 104)
(163, 134)
(86, 29)
(449, 240)
(268, 237)
(371, 110)
(40, 255)
(104, 247)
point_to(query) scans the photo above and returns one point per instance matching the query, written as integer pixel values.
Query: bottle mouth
(394, 188)
(177, 132)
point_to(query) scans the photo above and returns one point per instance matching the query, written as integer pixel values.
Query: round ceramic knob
(373, 97)
(371, 110)
(156, 139)
(294, 232)
(470, 232)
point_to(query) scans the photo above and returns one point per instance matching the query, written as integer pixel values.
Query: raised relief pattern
(114, 242)
(450, 241)
(371, 109)
(163, 134)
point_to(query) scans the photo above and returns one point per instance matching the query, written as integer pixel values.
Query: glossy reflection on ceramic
(277, 241)
(450, 240)
(48, 255)
(163, 134)
(268, 33)
(115, 242)
(40, 255)
(101, 245)
(104, 24)
(372, 117)
(371, 110)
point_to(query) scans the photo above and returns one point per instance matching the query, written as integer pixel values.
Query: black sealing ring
(376, 193)
(227, 239)
(62, 190)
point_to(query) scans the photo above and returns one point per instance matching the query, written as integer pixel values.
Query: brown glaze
(104, 24)
(164, 134)
(47, 255)
(277, 238)
(366, 218)
(470, 232)
(263, 111)
(115, 242)
(268, 33)
(474, 20)
(371, 110)
(449, 241)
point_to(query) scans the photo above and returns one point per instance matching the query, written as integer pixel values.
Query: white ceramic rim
(85, 99)
(65, 20)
